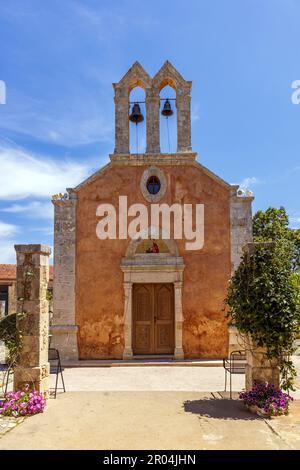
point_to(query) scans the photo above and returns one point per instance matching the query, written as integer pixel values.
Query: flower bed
(22, 404)
(266, 400)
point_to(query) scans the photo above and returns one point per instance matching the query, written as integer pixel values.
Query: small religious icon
(154, 248)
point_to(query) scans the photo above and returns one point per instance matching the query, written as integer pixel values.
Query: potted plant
(266, 400)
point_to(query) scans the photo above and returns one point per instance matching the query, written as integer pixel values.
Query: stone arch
(137, 133)
(136, 76)
(168, 125)
(168, 75)
(170, 243)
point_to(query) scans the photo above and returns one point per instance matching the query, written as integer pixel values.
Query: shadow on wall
(219, 409)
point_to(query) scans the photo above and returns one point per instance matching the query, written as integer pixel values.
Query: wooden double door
(153, 319)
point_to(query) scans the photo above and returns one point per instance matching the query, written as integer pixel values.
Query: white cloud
(36, 209)
(195, 112)
(6, 230)
(25, 174)
(77, 119)
(249, 182)
(7, 251)
(295, 221)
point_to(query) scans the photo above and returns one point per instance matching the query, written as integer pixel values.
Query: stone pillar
(63, 326)
(32, 283)
(127, 354)
(153, 121)
(259, 368)
(183, 104)
(240, 225)
(121, 120)
(178, 352)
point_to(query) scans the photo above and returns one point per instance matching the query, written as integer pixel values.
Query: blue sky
(58, 60)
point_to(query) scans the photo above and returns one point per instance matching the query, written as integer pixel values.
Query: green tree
(273, 225)
(263, 301)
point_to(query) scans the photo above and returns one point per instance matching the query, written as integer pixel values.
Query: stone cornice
(245, 199)
(152, 262)
(184, 158)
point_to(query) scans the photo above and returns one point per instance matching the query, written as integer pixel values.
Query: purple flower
(21, 403)
(273, 401)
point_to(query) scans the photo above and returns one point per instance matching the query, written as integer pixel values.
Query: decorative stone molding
(127, 354)
(32, 281)
(152, 268)
(154, 159)
(153, 171)
(178, 352)
(133, 244)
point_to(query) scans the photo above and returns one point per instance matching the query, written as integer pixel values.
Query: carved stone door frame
(148, 270)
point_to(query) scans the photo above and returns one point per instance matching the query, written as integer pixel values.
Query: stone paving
(7, 424)
(152, 420)
(150, 407)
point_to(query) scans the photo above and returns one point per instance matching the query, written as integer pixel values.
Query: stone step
(145, 362)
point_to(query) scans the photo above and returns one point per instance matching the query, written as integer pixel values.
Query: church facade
(155, 293)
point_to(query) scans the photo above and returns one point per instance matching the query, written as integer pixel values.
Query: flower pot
(258, 411)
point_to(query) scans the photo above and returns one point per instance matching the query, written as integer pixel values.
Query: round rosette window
(153, 184)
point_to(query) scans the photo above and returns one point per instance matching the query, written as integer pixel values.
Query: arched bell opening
(137, 120)
(168, 119)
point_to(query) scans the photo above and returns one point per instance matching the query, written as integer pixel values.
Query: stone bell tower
(137, 76)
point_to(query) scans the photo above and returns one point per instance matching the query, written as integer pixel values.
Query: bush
(270, 400)
(10, 335)
(263, 302)
(22, 404)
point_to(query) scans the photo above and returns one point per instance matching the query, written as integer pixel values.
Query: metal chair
(53, 355)
(234, 365)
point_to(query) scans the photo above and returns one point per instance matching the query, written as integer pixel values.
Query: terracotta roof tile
(8, 272)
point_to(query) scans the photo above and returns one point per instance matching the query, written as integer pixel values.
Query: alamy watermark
(2, 92)
(178, 221)
(296, 94)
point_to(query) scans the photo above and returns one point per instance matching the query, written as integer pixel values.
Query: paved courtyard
(151, 420)
(151, 407)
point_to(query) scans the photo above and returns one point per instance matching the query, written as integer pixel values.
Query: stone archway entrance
(160, 269)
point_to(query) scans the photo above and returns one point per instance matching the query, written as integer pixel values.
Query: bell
(136, 115)
(167, 110)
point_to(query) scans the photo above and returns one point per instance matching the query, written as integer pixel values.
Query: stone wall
(99, 279)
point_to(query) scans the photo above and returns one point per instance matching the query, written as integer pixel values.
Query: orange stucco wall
(99, 280)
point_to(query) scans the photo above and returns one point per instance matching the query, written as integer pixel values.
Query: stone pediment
(136, 76)
(168, 75)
